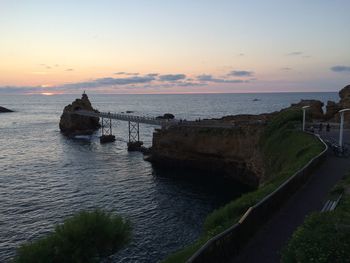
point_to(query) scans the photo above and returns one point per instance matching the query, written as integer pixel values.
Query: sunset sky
(173, 46)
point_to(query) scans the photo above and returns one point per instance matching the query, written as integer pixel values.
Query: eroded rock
(73, 124)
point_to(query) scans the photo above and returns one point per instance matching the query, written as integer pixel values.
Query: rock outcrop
(315, 110)
(333, 107)
(232, 152)
(72, 124)
(2, 110)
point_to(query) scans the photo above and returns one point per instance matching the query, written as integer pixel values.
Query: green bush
(85, 237)
(323, 237)
(285, 151)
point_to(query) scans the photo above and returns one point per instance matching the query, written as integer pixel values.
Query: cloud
(340, 68)
(127, 73)
(20, 89)
(286, 68)
(103, 82)
(45, 66)
(152, 74)
(240, 54)
(209, 78)
(172, 77)
(295, 53)
(241, 73)
(69, 69)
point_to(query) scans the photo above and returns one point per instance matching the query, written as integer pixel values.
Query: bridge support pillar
(134, 143)
(134, 131)
(106, 130)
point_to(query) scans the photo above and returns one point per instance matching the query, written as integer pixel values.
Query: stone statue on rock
(72, 124)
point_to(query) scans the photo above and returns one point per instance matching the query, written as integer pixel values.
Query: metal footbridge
(133, 122)
(129, 118)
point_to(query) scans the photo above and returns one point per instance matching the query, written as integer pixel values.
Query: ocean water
(46, 177)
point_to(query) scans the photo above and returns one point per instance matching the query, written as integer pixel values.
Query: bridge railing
(127, 117)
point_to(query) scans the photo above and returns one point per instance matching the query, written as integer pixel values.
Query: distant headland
(3, 110)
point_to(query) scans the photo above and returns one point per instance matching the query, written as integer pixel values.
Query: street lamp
(304, 108)
(341, 127)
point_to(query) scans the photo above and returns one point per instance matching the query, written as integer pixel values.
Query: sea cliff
(219, 148)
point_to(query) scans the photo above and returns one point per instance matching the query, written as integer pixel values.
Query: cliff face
(72, 124)
(233, 152)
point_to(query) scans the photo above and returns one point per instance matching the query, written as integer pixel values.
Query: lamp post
(304, 108)
(342, 127)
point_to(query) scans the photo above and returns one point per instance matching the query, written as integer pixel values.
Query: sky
(182, 46)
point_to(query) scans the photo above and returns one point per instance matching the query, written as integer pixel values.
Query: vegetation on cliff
(85, 237)
(285, 150)
(323, 237)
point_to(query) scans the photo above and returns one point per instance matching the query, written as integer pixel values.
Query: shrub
(85, 237)
(323, 237)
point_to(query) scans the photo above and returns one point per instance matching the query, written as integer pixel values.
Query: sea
(46, 177)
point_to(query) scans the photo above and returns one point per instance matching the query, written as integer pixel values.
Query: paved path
(268, 242)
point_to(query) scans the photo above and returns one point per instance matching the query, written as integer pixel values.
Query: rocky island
(72, 124)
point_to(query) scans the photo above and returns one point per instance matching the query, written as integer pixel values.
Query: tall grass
(85, 237)
(285, 150)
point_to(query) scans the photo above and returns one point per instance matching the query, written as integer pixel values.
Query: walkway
(268, 242)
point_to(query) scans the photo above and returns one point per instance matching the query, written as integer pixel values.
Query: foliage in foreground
(85, 237)
(323, 237)
(285, 151)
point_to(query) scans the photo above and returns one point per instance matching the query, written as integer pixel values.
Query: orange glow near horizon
(48, 93)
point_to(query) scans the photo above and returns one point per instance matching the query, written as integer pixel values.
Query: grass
(85, 237)
(323, 237)
(285, 150)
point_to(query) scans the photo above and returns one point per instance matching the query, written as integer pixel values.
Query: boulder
(331, 109)
(2, 109)
(344, 102)
(72, 124)
(315, 109)
(344, 93)
(166, 116)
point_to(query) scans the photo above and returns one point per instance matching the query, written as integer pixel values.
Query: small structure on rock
(72, 124)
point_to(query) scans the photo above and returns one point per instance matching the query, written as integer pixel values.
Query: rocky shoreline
(232, 152)
(229, 146)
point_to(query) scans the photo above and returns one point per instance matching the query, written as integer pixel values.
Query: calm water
(45, 177)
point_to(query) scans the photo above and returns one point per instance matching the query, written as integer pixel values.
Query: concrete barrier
(227, 244)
